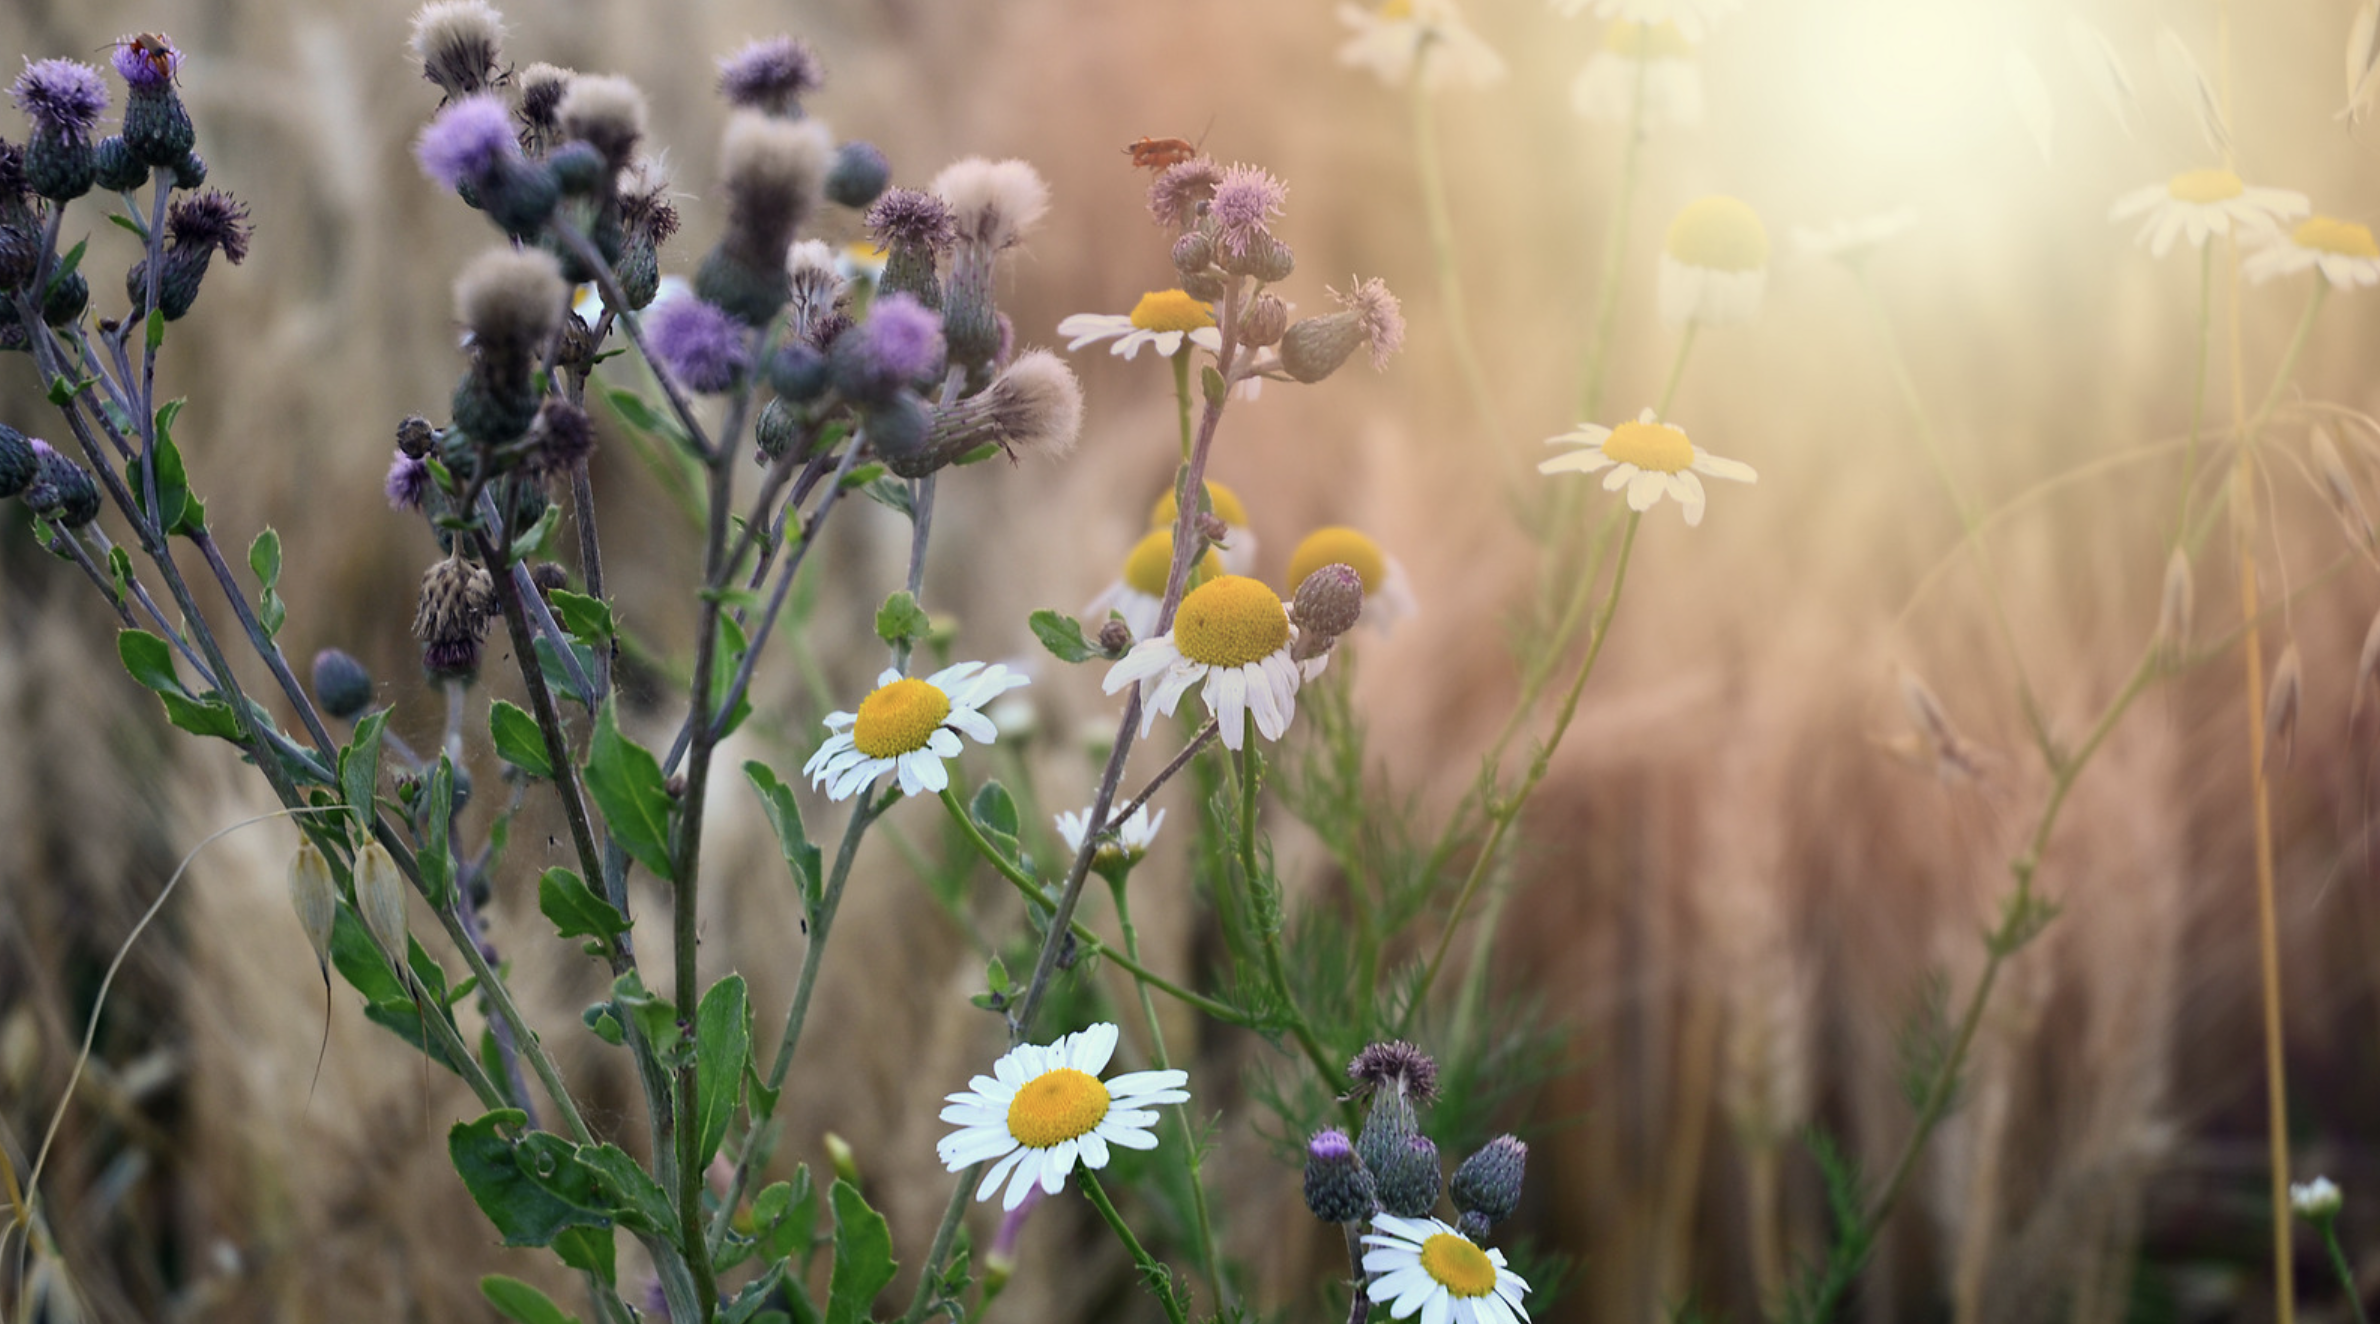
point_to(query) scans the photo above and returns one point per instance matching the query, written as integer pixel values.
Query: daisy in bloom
(1388, 591)
(1605, 91)
(861, 262)
(1234, 634)
(908, 726)
(2206, 202)
(1239, 539)
(1130, 842)
(2341, 250)
(1692, 17)
(1044, 1107)
(1423, 1265)
(1714, 263)
(1851, 241)
(1140, 595)
(1164, 318)
(1649, 459)
(1394, 37)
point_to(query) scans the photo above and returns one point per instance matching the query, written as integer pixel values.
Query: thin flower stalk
(1154, 1274)
(1442, 249)
(1615, 255)
(1247, 763)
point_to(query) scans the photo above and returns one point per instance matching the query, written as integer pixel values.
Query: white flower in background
(2341, 250)
(2200, 203)
(1605, 91)
(861, 262)
(1850, 241)
(1714, 263)
(587, 300)
(1650, 459)
(1163, 318)
(1139, 596)
(1396, 35)
(1692, 17)
(908, 727)
(1043, 1108)
(1132, 840)
(1239, 538)
(1423, 1265)
(1233, 634)
(1388, 590)
(2316, 1199)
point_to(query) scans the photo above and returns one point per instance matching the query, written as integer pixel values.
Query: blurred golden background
(1733, 889)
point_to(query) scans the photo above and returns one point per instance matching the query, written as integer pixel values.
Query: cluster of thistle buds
(1393, 1168)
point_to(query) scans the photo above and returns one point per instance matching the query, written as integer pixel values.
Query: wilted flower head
(460, 44)
(408, 482)
(992, 203)
(456, 601)
(60, 96)
(1245, 199)
(1178, 191)
(700, 344)
(606, 113)
(511, 299)
(466, 140)
(645, 208)
(771, 74)
(213, 220)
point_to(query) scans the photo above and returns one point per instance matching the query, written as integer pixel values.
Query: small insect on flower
(153, 48)
(1160, 153)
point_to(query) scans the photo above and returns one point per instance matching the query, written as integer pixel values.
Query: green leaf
(156, 328)
(995, 977)
(360, 963)
(861, 476)
(590, 619)
(433, 860)
(725, 659)
(599, 1019)
(890, 493)
(516, 1300)
(552, 1163)
(576, 911)
(785, 816)
(557, 674)
(271, 612)
(1063, 636)
(626, 781)
(519, 741)
(653, 1014)
(590, 1249)
(863, 1257)
(757, 1293)
(637, 413)
(66, 267)
(1210, 384)
(359, 766)
(722, 1045)
(203, 717)
(150, 660)
(264, 557)
(900, 620)
(995, 811)
(635, 1198)
(532, 540)
(525, 1213)
(119, 572)
(133, 227)
(181, 514)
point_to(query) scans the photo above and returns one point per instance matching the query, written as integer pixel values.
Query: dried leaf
(2190, 86)
(2105, 72)
(2282, 699)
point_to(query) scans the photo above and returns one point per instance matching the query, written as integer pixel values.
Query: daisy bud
(1264, 322)
(2339, 485)
(1328, 603)
(114, 166)
(18, 463)
(63, 98)
(456, 601)
(1194, 252)
(859, 174)
(1410, 1184)
(2316, 1201)
(380, 899)
(2282, 699)
(915, 229)
(2177, 606)
(1489, 1182)
(770, 76)
(61, 488)
(341, 685)
(156, 125)
(1178, 196)
(1114, 637)
(1034, 407)
(607, 113)
(2367, 666)
(1338, 1189)
(316, 899)
(460, 44)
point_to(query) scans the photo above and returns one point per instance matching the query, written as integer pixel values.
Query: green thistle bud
(18, 466)
(1489, 1182)
(1410, 1182)
(1338, 1188)
(118, 170)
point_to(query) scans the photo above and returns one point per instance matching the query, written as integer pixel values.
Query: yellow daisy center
(1646, 41)
(865, 253)
(2204, 186)
(1650, 446)
(1225, 501)
(1151, 561)
(898, 719)
(1719, 232)
(1396, 10)
(1339, 545)
(1170, 310)
(1458, 1266)
(1230, 622)
(1057, 1106)
(2329, 234)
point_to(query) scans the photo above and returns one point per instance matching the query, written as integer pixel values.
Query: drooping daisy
(1130, 842)
(1424, 1265)
(2199, 203)
(1233, 633)
(1605, 91)
(1164, 318)
(1388, 590)
(908, 726)
(1852, 241)
(2341, 250)
(1714, 263)
(1043, 1107)
(1139, 596)
(1397, 35)
(1693, 17)
(1239, 539)
(1648, 458)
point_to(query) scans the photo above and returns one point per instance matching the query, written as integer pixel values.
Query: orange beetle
(1160, 153)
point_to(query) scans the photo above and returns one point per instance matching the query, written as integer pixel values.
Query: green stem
(1160, 1278)
(945, 1232)
(1181, 395)
(1442, 250)
(1677, 369)
(1163, 1061)
(2288, 368)
(1249, 765)
(2206, 339)
(2346, 1271)
(1615, 252)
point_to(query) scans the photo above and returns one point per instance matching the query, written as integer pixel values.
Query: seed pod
(380, 899)
(316, 899)
(2339, 486)
(2282, 700)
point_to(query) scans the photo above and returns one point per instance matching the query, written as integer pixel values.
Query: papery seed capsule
(2282, 700)
(2177, 605)
(316, 899)
(380, 899)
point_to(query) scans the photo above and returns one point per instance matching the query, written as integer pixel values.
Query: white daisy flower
(908, 726)
(1396, 35)
(1234, 634)
(2316, 1199)
(861, 262)
(587, 300)
(1424, 1265)
(2341, 250)
(1042, 1108)
(1605, 91)
(1714, 263)
(1164, 318)
(1649, 459)
(1130, 842)
(2200, 203)
(1139, 596)
(1692, 17)
(1851, 241)
(1239, 538)
(1388, 590)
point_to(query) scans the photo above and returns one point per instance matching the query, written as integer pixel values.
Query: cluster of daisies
(2288, 236)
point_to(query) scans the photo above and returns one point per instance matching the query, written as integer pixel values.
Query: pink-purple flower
(468, 139)
(699, 344)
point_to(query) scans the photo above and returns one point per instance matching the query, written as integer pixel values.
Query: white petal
(1094, 1151)
(1645, 489)
(1026, 1177)
(972, 723)
(1091, 1048)
(1128, 1137)
(1437, 1309)
(1149, 657)
(1208, 338)
(1620, 477)
(932, 773)
(1585, 462)
(943, 744)
(1146, 1082)
(973, 1114)
(991, 1179)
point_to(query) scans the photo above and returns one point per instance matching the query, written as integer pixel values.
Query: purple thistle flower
(904, 337)
(699, 344)
(146, 62)
(60, 96)
(408, 482)
(771, 74)
(1377, 312)
(911, 217)
(1244, 198)
(214, 220)
(466, 140)
(1395, 1065)
(1176, 193)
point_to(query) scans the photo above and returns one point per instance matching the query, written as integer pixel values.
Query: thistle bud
(156, 125)
(1265, 321)
(1328, 604)
(1114, 637)
(798, 372)
(563, 434)
(61, 488)
(915, 229)
(858, 176)
(18, 464)
(1394, 1067)
(66, 298)
(2282, 700)
(316, 899)
(414, 435)
(1388, 1132)
(896, 430)
(380, 900)
(1194, 252)
(1338, 1188)
(117, 169)
(1489, 1182)
(1316, 347)
(1410, 1184)
(63, 99)
(341, 684)
(776, 431)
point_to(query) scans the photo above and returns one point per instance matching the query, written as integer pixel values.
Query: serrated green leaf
(589, 619)
(900, 620)
(271, 613)
(525, 1213)
(264, 557)
(576, 911)
(802, 858)
(150, 660)
(722, 1046)
(591, 1249)
(1063, 636)
(519, 741)
(863, 1257)
(627, 784)
(516, 1300)
(359, 766)
(119, 572)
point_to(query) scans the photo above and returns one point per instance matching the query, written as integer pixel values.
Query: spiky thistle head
(770, 75)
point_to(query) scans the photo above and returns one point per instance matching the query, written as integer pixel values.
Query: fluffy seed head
(60, 96)
(1396, 1066)
(700, 344)
(467, 140)
(511, 299)
(1179, 191)
(1489, 1182)
(992, 203)
(408, 482)
(645, 208)
(771, 75)
(1245, 200)
(607, 113)
(1040, 405)
(213, 220)
(773, 170)
(460, 44)
(542, 87)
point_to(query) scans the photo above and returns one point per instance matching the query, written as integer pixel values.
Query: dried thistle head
(457, 598)
(608, 114)
(992, 203)
(460, 44)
